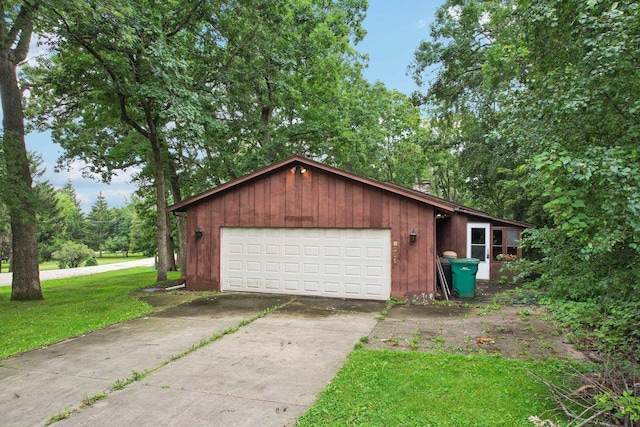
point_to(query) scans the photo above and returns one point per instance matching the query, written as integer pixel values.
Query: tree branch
(3, 26)
(186, 20)
(122, 98)
(22, 28)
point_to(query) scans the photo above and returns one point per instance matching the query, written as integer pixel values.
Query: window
(504, 243)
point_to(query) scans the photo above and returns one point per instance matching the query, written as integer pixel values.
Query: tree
(555, 86)
(100, 224)
(215, 88)
(122, 225)
(5, 237)
(381, 135)
(141, 236)
(49, 219)
(74, 227)
(466, 104)
(16, 27)
(135, 60)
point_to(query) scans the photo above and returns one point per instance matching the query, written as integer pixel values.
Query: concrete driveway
(266, 373)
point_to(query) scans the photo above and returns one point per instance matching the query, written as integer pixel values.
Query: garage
(328, 262)
(300, 227)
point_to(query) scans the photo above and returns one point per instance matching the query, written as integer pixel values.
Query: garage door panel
(254, 249)
(331, 287)
(272, 267)
(312, 269)
(272, 284)
(291, 285)
(292, 250)
(353, 288)
(374, 253)
(331, 269)
(351, 263)
(353, 252)
(236, 248)
(311, 286)
(332, 251)
(311, 251)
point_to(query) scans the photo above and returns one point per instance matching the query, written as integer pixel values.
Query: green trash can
(464, 277)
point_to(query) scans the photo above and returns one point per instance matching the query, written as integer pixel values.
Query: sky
(394, 30)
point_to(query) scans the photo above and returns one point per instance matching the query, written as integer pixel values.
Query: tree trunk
(180, 219)
(171, 248)
(162, 232)
(182, 244)
(17, 191)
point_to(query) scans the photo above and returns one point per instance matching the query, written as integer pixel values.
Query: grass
(384, 388)
(71, 307)
(106, 259)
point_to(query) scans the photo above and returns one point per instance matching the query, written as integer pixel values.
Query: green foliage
(84, 303)
(117, 244)
(72, 254)
(610, 323)
(91, 262)
(382, 388)
(100, 224)
(624, 407)
(142, 233)
(544, 98)
(73, 225)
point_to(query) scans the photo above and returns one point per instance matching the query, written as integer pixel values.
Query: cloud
(118, 192)
(423, 23)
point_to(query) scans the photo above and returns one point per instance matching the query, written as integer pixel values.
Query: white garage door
(341, 263)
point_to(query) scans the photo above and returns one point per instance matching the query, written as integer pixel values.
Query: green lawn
(72, 307)
(396, 388)
(106, 259)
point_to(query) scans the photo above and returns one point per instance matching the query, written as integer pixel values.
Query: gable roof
(457, 207)
(441, 204)
(298, 160)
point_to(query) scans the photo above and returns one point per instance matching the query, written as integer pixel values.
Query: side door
(478, 246)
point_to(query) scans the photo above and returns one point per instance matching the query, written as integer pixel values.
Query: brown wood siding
(452, 235)
(315, 199)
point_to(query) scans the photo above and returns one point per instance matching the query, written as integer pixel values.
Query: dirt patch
(323, 307)
(217, 305)
(509, 324)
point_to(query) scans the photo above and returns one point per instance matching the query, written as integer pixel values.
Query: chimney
(423, 186)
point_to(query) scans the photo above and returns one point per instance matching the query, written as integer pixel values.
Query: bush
(91, 262)
(71, 254)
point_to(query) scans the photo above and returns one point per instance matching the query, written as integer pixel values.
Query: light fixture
(412, 236)
(297, 168)
(199, 233)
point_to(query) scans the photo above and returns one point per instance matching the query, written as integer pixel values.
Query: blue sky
(394, 30)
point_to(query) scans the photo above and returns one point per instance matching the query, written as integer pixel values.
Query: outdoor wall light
(199, 233)
(302, 169)
(412, 236)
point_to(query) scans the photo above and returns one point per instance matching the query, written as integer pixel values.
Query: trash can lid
(465, 261)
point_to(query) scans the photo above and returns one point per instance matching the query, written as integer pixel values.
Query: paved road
(267, 373)
(5, 278)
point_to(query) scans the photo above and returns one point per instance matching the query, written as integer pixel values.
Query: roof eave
(411, 194)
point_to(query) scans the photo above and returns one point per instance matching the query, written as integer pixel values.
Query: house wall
(314, 199)
(452, 235)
